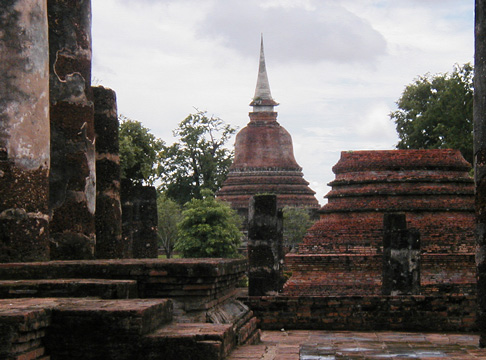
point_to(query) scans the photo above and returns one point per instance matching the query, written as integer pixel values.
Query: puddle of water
(358, 349)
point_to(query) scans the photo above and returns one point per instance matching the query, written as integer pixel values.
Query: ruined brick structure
(342, 253)
(264, 157)
(109, 241)
(139, 220)
(72, 189)
(480, 159)
(265, 253)
(24, 132)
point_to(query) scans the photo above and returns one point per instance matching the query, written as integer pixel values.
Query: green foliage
(198, 160)
(296, 222)
(209, 228)
(140, 152)
(436, 112)
(169, 214)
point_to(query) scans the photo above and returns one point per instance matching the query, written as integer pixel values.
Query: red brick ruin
(393, 250)
(264, 157)
(87, 308)
(342, 254)
(480, 160)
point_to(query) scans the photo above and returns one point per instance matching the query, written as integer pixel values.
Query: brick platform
(202, 317)
(342, 253)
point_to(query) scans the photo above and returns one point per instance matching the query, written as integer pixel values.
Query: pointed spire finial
(263, 101)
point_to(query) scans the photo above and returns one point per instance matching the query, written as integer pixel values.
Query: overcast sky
(336, 67)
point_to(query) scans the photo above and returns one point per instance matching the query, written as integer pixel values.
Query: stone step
(104, 329)
(73, 288)
(23, 325)
(194, 341)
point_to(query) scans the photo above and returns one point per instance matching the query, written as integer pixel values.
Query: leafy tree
(296, 222)
(169, 215)
(140, 152)
(209, 228)
(436, 112)
(199, 159)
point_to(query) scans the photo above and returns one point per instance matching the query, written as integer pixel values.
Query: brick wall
(401, 313)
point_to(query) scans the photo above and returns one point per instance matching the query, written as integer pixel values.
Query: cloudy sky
(336, 67)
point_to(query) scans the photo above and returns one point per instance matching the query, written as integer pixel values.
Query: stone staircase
(44, 316)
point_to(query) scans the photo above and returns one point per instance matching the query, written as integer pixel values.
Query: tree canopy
(209, 228)
(436, 112)
(199, 159)
(140, 152)
(296, 221)
(169, 215)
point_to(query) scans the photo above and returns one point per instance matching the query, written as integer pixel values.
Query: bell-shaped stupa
(264, 157)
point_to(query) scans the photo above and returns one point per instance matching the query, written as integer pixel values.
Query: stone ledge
(45, 288)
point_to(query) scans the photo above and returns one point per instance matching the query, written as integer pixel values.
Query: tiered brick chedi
(264, 157)
(342, 253)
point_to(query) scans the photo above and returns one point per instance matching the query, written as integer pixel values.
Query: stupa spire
(262, 101)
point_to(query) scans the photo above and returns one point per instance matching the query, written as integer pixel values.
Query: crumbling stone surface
(368, 312)
(401, 257)
(264, 246)
(85, 328)
(342, 253)
(480, 160)
(23, 326)
(139, 220)
(45, 288)
(72, 177)
(199, 284)
(24, 134)
(196, 341)
(264, 163)
(108, 206)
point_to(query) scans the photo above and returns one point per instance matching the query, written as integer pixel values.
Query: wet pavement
(339, 345)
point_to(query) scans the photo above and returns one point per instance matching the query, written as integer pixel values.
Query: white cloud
(302, 33)
(336, 66)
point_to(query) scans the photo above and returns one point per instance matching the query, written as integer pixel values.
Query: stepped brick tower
(264, 157)
(342, 254)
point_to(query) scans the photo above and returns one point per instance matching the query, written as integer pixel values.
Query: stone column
(108, 208)
(401, 257)
(24, 131)
(139, 208)
(480, 162)
(265, 253)
(72, 193)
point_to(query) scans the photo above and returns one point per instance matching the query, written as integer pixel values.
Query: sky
(337, 67)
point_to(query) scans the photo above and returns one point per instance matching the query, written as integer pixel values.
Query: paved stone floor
(337, 345)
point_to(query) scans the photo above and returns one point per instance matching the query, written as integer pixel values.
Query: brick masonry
(342, 253)
(24, 132)
(401, 313)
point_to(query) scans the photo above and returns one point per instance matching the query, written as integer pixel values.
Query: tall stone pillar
(139, 208)
(24, 131)
(265, 253)
(480, 162)
(72, 194)
(108, 207)
(401, 257)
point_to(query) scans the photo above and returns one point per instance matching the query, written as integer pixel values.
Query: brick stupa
(264, 157)
(342, 254)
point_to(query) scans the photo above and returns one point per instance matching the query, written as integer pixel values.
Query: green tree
(199, 159)
(209, 228)
(296, 222)
(169, 215)
(140, 152)
(436, 112)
